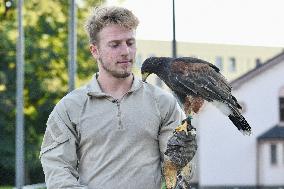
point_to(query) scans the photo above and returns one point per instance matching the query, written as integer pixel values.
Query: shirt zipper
(118, 102)
(119, 115)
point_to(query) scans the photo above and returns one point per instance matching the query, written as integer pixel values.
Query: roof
(276, 132)
(258, 70)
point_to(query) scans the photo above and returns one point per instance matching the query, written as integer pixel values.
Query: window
(232, 64)
(281, 109)
(273, 154)
(219, 62)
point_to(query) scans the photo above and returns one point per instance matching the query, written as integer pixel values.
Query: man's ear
(94, 50)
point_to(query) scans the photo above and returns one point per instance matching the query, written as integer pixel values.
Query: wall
(271, 174)
(226, 156)
(245, 55)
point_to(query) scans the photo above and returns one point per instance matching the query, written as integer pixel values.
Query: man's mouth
(125, 62)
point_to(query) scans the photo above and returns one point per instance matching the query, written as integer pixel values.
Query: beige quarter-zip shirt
(97, 142)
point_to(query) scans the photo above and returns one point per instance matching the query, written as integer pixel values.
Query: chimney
(257, 62)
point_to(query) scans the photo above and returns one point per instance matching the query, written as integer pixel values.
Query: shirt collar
(95, 90)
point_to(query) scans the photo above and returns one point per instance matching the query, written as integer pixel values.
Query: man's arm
(172, 116)
(58, 152)
(180, 148)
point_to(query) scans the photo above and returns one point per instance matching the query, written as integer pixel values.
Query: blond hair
(104, 16)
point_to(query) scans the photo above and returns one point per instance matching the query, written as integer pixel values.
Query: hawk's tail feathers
(240, 122)
(237, 104)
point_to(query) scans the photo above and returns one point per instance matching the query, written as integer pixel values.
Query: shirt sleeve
(58, 152)
(172, 116)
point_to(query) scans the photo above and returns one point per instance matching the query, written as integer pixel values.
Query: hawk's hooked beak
(145, 75)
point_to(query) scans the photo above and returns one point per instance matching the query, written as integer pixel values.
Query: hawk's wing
(200, 79)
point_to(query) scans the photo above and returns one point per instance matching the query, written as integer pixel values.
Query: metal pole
(72, 45)
(20, 141)
(174, 49)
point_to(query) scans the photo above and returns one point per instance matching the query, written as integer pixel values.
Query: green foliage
(6, 187)
(46, 75)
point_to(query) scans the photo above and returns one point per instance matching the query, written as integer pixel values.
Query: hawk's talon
(193, 132)
(182, 127)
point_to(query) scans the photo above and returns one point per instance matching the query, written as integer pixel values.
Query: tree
(46, 76)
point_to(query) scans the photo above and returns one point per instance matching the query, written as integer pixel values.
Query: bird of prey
(194, 81)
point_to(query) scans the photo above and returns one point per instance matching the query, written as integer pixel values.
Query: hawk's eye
(105, 17)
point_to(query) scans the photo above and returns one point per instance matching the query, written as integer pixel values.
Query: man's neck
(116, 87)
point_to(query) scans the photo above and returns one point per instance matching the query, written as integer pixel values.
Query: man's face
(115, 50)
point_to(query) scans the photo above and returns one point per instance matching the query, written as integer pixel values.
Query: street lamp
(174, 48)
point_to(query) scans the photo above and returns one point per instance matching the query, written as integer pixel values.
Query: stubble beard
(115, 73)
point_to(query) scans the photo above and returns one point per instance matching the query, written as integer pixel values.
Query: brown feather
(197, 103)
(187, 69)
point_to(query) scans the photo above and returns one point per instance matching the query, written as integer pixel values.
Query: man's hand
(182, 146)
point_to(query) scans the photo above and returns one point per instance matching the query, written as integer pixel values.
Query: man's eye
(113, 45)
(130, 43)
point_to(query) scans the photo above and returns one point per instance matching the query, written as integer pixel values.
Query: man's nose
(125, 49)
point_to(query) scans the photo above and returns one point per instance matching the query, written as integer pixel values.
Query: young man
(111, 133)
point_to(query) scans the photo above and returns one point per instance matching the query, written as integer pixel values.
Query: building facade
(233, 60)
(227, 159)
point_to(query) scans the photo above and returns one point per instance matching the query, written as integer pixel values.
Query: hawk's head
(153, 65)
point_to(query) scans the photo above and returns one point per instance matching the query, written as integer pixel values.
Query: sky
(244, 22)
